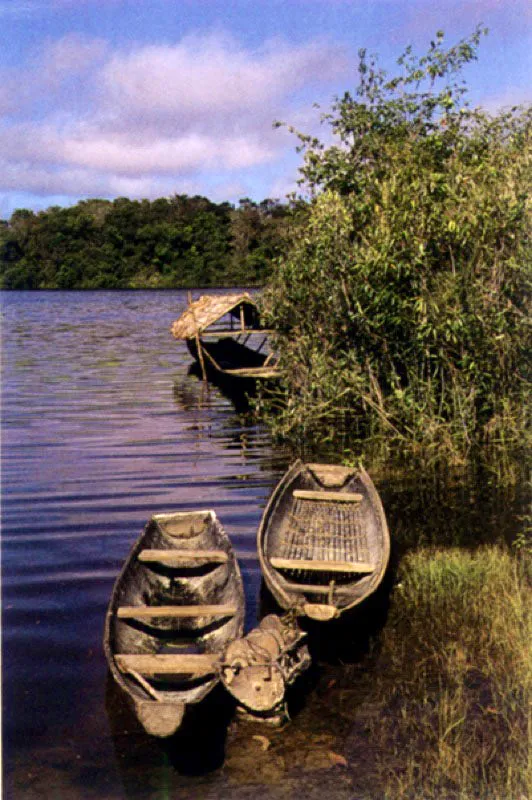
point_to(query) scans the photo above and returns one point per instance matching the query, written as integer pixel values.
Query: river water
(102, 425)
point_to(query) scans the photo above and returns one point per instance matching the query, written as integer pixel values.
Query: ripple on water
(102, 426)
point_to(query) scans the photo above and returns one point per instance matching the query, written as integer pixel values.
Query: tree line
(166, 243)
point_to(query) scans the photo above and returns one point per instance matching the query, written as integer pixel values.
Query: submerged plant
(400, 307)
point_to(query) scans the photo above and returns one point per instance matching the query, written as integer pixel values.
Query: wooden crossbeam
(254, 372)
(329, 497)
(168, 664)
(211, 333)
(176, 558)
(321, 566)
(128, 612)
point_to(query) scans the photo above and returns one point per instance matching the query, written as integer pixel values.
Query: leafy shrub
(400, 308)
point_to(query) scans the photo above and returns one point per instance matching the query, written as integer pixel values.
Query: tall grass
(454, 678)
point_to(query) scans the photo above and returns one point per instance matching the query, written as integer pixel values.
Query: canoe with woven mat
(176, 604)
(323, 540)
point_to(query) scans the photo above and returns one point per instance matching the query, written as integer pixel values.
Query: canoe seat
(178, 558)
(169, 664)
(138, 612)
(314, 565)
(328, 497)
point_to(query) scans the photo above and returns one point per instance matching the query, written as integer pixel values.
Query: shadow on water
(196, 750)
(193, 392)
(467, 508)
(350, 638)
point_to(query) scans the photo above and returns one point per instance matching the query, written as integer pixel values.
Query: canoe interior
(307, 523)
(162, 579)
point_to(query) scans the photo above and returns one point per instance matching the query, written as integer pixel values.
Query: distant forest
(128, 244)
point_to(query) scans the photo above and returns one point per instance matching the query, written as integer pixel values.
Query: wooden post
(200, 356)
(198, 343)
(242, 322)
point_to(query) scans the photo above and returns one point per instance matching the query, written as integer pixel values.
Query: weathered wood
(176, 558)
(169, 664)
(321, 613)
(201, 359)
(151, 607)
(149, 612)
(148, 688)
(323, 522)
(215, 333)
(331, 475)
(257, 668)
(254, 372)
(184, 525)
(212, 360)
(321, 566)
(307, 588)
(329, 497)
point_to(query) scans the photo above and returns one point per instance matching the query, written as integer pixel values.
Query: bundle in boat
(177, 603)
(257, 669)
(323, 540)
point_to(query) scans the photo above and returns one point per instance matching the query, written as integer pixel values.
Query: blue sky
(148, 98)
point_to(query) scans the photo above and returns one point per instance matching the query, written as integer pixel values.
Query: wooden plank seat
(169, 664)
(138, 612)
(307, 588)
(321, 566)
(176, 558)
(328, 497)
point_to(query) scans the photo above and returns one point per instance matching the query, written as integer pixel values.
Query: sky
(151, 98)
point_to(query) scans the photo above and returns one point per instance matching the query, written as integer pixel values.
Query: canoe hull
(323, 541)
(159, 719)
(183, 563)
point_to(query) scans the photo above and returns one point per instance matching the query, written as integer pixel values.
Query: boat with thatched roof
(223, 333)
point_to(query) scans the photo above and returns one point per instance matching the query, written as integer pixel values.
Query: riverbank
(453, 678)
(435, 708)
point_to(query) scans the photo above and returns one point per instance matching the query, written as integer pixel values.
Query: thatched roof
(203, 313)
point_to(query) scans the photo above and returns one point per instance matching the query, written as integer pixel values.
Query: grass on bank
(454, 678)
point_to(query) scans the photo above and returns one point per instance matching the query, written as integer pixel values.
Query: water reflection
(102, 425)
(196, 750)
(94, 442)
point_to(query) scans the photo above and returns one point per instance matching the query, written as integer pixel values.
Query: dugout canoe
(176, 604)
(323, 540)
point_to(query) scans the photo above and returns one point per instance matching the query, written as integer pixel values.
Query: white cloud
(181, 154)
(212, 75)
(153, 118)
(71, 55)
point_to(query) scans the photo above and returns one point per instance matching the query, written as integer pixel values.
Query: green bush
(400, 308)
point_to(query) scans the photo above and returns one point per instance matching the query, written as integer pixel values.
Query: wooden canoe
(176, 604)
(323, 540)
